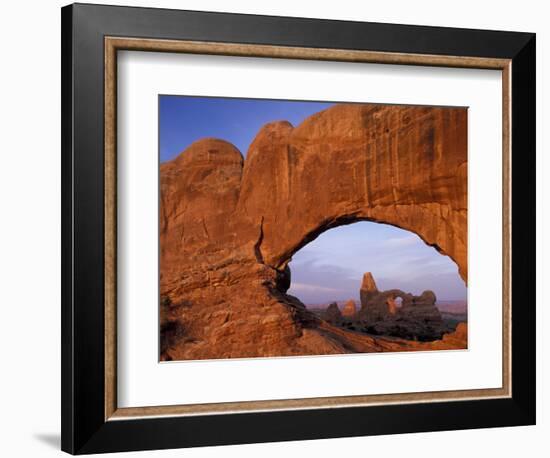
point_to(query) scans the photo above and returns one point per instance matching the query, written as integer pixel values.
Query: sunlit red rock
(349, 309)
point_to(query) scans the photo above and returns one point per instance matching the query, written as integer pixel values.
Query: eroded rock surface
(228, 227)
(349, 309)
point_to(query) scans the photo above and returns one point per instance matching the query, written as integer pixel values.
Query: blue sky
(331, 267)
(186, 119)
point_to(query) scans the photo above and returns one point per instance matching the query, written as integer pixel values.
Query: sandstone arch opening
(398, 302)
(378, 279)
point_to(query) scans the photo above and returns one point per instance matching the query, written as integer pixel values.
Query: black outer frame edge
(67, 413)
(139, 22)
(174, 432)
(83, 427)
(524, 228)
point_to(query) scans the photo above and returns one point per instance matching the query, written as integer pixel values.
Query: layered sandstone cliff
(228, 226)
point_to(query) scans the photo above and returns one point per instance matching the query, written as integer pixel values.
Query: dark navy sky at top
(183, 120)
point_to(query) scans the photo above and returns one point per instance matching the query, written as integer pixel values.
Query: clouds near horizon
(331, 267)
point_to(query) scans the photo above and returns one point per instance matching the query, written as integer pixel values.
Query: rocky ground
(315, 336)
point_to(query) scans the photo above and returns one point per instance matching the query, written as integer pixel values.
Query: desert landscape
(392, 313)
(230, 226)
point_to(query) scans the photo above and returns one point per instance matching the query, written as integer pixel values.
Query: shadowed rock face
(229, 227)
(332, 314)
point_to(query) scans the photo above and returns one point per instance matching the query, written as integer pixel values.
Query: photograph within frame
(393, 174)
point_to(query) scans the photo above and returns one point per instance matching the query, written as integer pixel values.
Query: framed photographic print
(282, 228)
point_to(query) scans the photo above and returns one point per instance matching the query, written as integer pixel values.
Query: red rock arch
(399, 165)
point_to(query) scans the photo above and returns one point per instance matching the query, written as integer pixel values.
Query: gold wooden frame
(112, 45)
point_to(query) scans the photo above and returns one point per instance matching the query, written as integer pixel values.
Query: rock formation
(416, 318)
(332, 314)
(349, 309)
(391, 313)
(380, 305)
(368, 284)
(229, 227)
